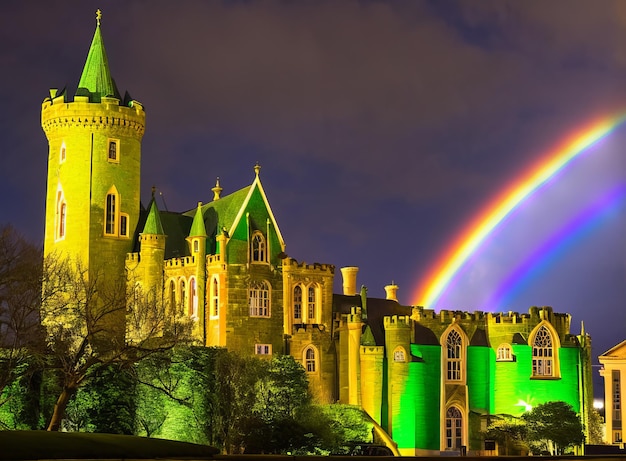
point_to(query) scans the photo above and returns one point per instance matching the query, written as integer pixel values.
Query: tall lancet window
(454, 356)
(543, 364)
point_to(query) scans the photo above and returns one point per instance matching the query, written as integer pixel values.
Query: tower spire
(95, 80)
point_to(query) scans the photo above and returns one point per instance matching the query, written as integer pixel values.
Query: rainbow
(471, 239)
(556, 245)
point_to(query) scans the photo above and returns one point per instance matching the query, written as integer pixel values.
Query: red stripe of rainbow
(470, 240)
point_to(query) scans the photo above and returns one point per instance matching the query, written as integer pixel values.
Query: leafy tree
(554, 425)
(509, 432)
(84, 315)
(596, 433)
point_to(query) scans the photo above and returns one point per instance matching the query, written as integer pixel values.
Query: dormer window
(258, 248)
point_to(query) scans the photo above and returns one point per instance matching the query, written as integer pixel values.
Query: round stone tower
(94, 159)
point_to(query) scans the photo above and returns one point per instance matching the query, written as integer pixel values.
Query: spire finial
(98, 16)
(153, 191)
(217, 190)
(257, 168)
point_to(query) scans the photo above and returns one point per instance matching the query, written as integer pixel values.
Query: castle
(431, 381)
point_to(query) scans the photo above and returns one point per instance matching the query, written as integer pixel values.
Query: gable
(616, 352)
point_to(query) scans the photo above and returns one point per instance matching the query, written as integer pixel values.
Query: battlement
(180, 262)
(373, 350)
(397, 321)
(355, 315)
(211, 259)
(58, 115)
(292, 263)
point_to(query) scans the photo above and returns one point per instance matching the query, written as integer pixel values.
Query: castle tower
(93, 190)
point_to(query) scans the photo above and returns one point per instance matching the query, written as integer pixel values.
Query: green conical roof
(153, 221)
(367, 338)
(96, 78)
(198, 228)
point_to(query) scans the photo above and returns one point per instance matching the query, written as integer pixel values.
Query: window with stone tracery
(454, 357)
(543, 362)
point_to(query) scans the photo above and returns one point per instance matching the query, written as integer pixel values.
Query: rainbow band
(469, 241)
(556, 245)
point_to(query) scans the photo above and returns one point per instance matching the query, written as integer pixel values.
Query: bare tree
(20, 298)
(93, 322)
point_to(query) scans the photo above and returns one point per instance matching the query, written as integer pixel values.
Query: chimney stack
(349, 280)
(392, 291)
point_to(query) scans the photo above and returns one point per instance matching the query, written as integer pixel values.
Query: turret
(152, 252)
(197, 247)
(94, 158)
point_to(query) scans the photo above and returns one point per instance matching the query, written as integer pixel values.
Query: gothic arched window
(259, 299)
(297, 304)
(543, 362)
(310, 359)
(453, 356)
(311, 305)
(454, 428)
(258, 248)
(215, 297)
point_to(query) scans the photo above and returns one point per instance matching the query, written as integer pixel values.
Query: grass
(32, 445)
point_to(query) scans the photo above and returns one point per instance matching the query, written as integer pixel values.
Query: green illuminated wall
(514, 386)
(426, 384)
(480, 378)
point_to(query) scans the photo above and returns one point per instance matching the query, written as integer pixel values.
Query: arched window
(258, 250)
(454, 428)
(504, 353)
(259, 299)
(183, 296)
(215, 297)
(172, 297)
(311, 310)
(454, 356)
(399, 355)
(61, 216)
(297, 304)
(193, 298)
(62, 153)
(196, 245)
(543, 363)
(310, 359)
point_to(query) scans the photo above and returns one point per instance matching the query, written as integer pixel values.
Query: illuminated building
(613, 371)
(430, 380)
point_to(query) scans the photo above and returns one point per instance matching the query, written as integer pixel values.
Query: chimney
(349, 280)
(392, 291)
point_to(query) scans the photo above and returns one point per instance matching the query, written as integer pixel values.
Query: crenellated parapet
(58, 116)
(397, 321)
(180, 262)
(291, 264)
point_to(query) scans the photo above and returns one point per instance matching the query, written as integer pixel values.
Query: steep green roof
(96, 81)
(221, 213)
(197, 227)
(153, 221)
